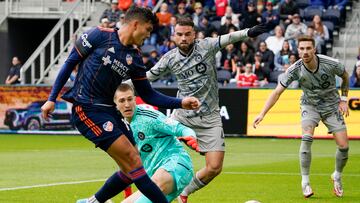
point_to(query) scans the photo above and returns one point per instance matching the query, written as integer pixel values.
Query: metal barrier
(80, 11)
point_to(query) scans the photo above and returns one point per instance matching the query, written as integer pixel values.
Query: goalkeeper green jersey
(156, 138)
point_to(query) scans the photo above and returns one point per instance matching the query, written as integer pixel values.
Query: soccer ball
(252, 201)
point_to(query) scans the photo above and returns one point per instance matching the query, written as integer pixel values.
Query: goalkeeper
(157, 136)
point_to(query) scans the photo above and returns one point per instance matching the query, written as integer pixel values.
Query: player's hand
(343, 108)
(259, 29)
(190, 141)
(47, 109)
(257, 120)
(190, 103)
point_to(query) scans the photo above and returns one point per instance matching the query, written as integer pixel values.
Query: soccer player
(105, 58)
(320, 101)
(156, 137)
(193, 63)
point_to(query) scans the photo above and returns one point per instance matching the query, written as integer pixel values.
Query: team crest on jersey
(129, 59)
(108, 126)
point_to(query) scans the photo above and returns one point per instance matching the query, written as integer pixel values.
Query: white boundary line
(226, 172)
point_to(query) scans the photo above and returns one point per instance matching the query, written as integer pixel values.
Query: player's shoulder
(323, 59)
(147, 112)
(206, 42)
(295, 67)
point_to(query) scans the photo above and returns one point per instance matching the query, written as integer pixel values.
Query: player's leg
(309, 120)
(162, 179)
(211, 142)
(336, 125)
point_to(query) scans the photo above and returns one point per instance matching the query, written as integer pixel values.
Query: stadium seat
(311, 11)
(264, 36)
(332, 15)
(302, 3)
(223, 75)
(216, 24)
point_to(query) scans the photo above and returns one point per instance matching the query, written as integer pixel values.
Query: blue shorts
(99, 124)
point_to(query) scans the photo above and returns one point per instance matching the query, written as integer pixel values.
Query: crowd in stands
(250, 63)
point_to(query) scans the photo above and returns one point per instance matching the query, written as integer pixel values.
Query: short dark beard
(188, 51)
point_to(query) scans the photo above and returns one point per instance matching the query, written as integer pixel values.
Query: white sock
(194, 185)
(93, 199)
(337, 175)
(305, 180)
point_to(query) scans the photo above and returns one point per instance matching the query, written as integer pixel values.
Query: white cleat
(338, 190)
(307, 191)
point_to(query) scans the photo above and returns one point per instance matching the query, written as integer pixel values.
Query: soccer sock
(146, 186)
(127, 192)
(113, 186)
(93, 200)
(341, 158)
(194, 185)
(305, 157)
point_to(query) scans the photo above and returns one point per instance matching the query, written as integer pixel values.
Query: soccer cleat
(182, 199)
(307, 191)
(338, 191)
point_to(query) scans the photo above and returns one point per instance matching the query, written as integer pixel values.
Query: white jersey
(196, 74)
(319, 87)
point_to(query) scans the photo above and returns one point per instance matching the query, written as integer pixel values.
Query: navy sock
(146, 186)
(113, 186)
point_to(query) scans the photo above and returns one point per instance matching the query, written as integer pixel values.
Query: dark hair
(142, 14)
(185, 22)
(306, 38)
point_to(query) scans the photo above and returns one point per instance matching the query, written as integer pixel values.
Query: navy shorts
(101, 125)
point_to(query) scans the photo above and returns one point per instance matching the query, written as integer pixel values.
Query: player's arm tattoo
(345, 84)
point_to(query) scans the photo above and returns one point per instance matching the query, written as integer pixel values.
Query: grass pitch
(62, 169)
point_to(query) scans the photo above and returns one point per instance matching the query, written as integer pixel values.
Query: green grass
(262, 169)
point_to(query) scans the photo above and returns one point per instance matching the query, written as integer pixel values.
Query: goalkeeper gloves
(259, 29)
(190, 141)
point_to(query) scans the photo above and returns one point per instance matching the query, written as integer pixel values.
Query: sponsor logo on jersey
(108, 126)
(106, 60)
(85, 42)
(146, 148)
(129, 59)
(120, 68)
(112, 50)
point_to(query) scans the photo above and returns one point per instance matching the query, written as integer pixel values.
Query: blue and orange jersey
(105, 63)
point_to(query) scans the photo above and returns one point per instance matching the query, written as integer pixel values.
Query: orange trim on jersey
(144, 78)
(89, 123)
(106, 29)
(77, 50)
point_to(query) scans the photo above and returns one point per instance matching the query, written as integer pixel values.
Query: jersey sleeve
(210, 44)
(290, 75)
(170, 126)
(88, 41)
(160, 69)
(339, 69)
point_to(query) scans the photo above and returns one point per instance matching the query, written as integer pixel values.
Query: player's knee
(214, 169)
(343, 145)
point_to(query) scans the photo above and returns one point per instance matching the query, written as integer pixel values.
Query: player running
(320, 101)
(156, 137)
(105, 58)
(193, 63)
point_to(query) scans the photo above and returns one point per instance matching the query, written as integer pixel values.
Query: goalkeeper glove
(259, 29)
(190, 141)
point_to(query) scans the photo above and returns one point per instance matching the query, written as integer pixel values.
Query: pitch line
(225, 172)
(51, 184)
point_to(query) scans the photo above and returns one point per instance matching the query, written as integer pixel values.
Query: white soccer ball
(252, 201)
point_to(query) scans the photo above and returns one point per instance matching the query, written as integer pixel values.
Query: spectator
(227, 55)
(234, 17)
(112, 14)
(14, 72)
(287, 9)
(220, 6)
(267, 55)
(206, 27)
(292, 59)
(198, 14)
(261, 69)
(147, 62)
(274, 43)
(105, 23)
(251, 17)
(282, 61)
(244, 55)
(294, 30)
(238, 6)
(164, 16)
(124, 5)
(248, 78)
(224, 29)
(310, 31)
(321, 31)
(146, 3)
(200, 35)
(271, 15)
(181, 12)
(121, 21)
(355, 77)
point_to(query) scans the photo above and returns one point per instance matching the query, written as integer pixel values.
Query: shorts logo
(129, 59)
(141, 136)
(146, 148)
(108, 126)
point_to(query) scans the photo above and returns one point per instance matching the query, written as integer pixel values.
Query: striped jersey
(319, 87)
(196, 74)
(155, 136)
